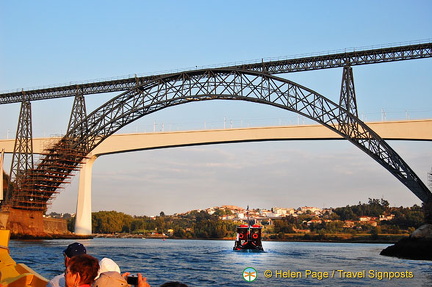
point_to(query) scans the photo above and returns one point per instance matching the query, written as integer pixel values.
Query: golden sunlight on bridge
(391, 130)
(118, 143)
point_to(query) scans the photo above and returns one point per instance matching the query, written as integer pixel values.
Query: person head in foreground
(73, 250)
(70, 251)
(173, 284)
(81, 271)
(107, 265)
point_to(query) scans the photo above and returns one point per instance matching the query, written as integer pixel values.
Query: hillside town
(267, 216)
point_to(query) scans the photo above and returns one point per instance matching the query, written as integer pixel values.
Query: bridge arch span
(212, 84)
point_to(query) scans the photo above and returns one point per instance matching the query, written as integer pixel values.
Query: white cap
(107, 264)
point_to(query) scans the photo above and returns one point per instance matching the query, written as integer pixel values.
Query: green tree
(110, 222)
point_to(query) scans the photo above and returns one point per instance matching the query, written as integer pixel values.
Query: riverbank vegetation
(372, 221)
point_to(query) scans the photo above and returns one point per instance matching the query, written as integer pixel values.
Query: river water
(213, 263)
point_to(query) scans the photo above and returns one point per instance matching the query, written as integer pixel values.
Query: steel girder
(348, 96)
(22, 158)
(348, 102)
(354, 58)
(219, 84)
(77, 124)
(318, 62)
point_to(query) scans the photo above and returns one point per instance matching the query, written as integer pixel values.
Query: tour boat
(248, 238)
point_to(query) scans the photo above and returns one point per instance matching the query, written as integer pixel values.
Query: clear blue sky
(46, 43)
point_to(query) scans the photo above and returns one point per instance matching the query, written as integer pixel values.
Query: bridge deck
(391, 130)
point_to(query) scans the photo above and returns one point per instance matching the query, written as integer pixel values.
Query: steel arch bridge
(36, 186)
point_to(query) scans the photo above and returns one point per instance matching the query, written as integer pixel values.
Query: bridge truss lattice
(251, 82)
(229, 84)
(318, 62)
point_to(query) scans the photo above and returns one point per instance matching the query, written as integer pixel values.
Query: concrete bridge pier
(83, 219)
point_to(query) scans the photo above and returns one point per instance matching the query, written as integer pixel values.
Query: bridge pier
(83, 219)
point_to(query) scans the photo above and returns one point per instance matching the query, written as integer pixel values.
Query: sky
(51, 43)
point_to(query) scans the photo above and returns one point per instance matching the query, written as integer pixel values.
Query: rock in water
(417, 246)
(424, 231)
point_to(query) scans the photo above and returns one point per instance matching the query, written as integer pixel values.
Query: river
(213, 263)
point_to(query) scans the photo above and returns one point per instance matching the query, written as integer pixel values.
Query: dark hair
(87, 266)
(173, 284)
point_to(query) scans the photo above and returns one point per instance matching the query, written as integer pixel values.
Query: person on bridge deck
(71, 251)
(81, 271)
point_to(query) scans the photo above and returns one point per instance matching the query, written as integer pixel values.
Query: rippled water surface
(213, 263)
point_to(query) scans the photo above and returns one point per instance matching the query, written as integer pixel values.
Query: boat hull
(13, 274)
(248, 239)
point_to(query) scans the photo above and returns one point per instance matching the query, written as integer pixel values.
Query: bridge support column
(347, 96)
(83, 220)
(77, 122)
(22, 158)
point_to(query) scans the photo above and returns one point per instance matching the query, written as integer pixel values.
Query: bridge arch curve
(211, 84)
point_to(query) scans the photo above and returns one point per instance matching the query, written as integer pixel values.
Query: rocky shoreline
(417, 246)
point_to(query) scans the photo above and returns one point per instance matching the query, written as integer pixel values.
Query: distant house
(278, 211)
(368, 220)
(314, 221)
(383, 217)
(314, 210)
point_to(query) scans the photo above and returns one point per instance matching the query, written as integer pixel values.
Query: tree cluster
(196, 224)
(374, 208)
(200, 224)
(405, 220)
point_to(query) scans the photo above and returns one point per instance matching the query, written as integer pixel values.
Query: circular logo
(250, 274)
